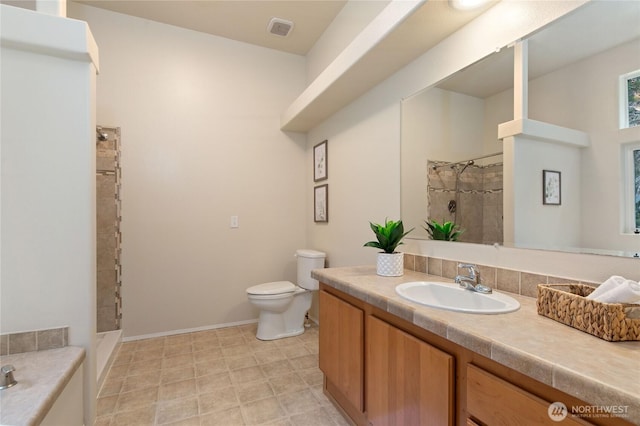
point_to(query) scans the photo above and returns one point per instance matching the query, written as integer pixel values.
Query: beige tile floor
(217, 377)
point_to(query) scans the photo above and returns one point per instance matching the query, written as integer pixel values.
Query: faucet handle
(6, 379)
(473, 269)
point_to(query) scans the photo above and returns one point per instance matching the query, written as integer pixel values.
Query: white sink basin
(454, 298)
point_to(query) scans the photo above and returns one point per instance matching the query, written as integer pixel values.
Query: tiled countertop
(596, 371)
(41, 376)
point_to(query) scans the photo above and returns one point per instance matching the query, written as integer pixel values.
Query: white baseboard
(188, 330)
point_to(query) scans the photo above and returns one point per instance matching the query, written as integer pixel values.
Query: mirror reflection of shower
(469, 194)
(452, 206)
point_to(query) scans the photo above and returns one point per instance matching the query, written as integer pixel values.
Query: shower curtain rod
(467, 161)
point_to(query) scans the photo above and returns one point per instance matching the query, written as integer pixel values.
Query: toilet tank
(308, 260)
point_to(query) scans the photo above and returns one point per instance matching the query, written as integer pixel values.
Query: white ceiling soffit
(590, 29)
(416, 33)
(241, 20)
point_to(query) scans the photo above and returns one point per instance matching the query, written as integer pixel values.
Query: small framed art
(320, 161)
(551, 188)
(321, 203)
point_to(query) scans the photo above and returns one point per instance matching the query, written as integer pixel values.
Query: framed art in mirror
(551, 187)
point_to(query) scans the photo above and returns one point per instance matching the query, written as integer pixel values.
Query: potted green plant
(446, 231)
(389, 235)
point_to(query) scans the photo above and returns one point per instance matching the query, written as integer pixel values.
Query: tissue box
(567, 303)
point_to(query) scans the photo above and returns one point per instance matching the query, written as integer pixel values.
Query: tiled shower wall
(479, 201)
(108, 179)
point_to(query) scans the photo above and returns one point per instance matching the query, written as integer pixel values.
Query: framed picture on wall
(321, 203)
(551, 187)
(320, 161)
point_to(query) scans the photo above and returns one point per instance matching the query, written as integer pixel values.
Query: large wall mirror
(451, 162)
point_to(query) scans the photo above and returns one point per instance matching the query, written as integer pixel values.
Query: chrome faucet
(471, 281)
(6, 378)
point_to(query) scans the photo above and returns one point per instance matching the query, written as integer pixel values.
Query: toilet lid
(276, 287)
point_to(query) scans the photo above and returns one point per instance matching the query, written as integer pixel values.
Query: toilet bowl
(283, 305)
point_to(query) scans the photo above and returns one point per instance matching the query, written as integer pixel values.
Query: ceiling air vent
(280, 27)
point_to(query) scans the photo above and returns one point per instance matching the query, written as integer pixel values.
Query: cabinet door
(409, 382)
(342, 347)
(495, 402)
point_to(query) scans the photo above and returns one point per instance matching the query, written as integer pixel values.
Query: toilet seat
(272, 288)
(283, 305)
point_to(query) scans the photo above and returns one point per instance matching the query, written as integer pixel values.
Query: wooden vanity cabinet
(341, 356)
(408, 382)
(383, 370)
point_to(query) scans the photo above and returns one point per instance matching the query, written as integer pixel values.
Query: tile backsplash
(509, 280)
(29, 341)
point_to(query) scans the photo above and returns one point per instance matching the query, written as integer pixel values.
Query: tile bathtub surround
(217, 377)
(39, 340)
(509, 280)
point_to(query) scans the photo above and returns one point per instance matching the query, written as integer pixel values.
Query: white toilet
(283, 305)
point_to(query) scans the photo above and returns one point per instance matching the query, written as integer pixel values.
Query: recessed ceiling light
(280, 27)
(467, 4)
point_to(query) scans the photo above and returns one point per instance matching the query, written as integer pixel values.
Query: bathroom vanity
(387, 360)
(49, 388)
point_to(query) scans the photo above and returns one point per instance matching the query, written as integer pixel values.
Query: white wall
(48, 264)
(498, 109)
(363, 177)
(44, 240)
(536, 224)
(364, 149)
(584, 96)
(200, 142)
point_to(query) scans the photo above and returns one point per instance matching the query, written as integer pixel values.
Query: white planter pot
(390, 264)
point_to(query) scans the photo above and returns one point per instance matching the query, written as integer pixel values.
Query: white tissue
(617, 290)
(613, 282)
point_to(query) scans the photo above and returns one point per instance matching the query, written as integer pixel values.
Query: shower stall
(469, 194)
(108, 215)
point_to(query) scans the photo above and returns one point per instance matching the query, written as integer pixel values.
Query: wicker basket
(567, 303)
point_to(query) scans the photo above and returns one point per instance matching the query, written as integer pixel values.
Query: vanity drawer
(496, 402)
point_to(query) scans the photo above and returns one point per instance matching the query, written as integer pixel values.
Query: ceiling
(241, 20)
(247, 20)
